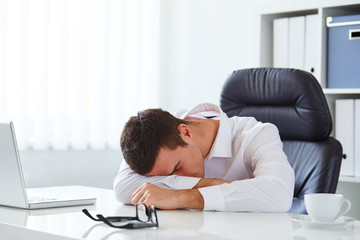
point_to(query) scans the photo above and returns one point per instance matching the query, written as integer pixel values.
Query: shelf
(341, 90)
(349, 179)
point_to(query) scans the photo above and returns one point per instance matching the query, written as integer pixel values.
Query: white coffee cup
(326, 207)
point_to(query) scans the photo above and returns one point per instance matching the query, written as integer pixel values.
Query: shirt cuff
(213, 198)
(182, 182)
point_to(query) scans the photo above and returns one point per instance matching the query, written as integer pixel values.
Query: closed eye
(176, 168)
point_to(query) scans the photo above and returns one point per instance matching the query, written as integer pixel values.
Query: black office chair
(294, 101)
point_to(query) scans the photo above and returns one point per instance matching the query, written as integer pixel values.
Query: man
(203, 160)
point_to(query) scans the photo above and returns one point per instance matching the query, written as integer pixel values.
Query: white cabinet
(266, 34)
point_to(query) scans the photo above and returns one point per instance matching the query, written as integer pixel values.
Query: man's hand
(168, 199)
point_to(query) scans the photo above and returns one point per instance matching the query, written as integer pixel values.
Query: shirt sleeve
(127, 181)
(271, 187)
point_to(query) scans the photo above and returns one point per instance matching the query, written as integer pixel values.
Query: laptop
(13, 192)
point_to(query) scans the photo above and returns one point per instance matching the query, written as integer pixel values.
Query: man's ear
(184, 131)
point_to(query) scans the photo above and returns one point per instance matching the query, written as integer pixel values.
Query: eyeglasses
(145, 218)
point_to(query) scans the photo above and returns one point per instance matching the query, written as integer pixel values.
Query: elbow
(281, 203)
(282, 196)
(285, 193)
(287, 197)
(286, 203)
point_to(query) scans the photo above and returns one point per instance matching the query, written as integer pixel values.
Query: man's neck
(205, 131)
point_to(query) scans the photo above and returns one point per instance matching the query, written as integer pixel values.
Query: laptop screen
(12, 185)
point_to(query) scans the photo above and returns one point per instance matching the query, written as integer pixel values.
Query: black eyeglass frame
(135, 225)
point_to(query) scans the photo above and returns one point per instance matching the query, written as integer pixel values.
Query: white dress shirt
(246, 152)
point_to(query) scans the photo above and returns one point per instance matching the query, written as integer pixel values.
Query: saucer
(306, 221)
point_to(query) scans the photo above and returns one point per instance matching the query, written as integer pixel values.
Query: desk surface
(71, 223)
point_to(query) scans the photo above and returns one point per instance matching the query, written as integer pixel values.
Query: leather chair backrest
(294, 101)
(291, 99)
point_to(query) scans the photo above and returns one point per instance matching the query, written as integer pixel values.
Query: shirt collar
(204, 107)
(222, 145)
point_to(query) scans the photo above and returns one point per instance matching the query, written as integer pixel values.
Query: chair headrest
(291, 99)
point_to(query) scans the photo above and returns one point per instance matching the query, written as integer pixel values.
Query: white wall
(207, 40)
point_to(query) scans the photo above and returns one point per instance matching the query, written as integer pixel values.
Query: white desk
(71, 223)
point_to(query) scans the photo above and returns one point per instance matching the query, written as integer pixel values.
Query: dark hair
(143, 136)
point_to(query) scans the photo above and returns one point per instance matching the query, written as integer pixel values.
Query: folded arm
(164, 192)
(127, 182)
(173, 199)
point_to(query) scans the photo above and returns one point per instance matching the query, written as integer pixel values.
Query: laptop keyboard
(33, 199)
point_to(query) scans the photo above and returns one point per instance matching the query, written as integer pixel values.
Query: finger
(134, 200)
(137, 191)
(143, 198)
(147, 201)
(137, 196)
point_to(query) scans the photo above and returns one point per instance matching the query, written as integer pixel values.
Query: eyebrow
(176, 166)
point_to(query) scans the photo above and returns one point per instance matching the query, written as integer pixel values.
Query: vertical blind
(73, 71)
